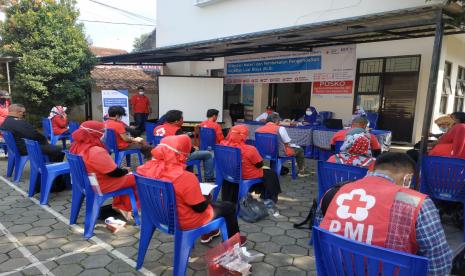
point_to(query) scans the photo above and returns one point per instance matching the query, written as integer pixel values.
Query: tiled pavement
(36, 240)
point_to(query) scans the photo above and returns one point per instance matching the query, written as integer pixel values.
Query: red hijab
(236, 136)
(169, 159)
(86, 136)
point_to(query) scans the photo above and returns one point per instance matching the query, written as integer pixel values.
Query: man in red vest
(212, 115)
(381, 210)
(357, 122)
(172, 126)
(141, 109)
(272, 126)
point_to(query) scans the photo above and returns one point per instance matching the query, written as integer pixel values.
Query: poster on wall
(113, 98)
(326, 64)
(247, 94)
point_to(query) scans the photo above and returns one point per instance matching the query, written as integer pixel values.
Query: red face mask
(269, 112)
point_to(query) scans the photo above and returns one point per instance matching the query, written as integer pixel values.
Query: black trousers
(53, 152)
(227, 210)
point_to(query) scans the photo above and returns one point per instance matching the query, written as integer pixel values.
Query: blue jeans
(140, 119)
(207, 158)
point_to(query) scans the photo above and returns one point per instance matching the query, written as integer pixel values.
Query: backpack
(252, 210)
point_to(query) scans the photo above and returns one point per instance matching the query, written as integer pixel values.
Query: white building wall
(181, 21)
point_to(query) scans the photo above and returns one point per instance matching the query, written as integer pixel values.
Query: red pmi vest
(362, 211)
(268, 128)
(165, 130)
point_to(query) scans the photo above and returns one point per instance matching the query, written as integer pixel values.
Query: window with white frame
(446, 88)
(459, 90)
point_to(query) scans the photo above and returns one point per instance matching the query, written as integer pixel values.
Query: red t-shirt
(98, 161)
(250, 157)
(216, 127)
(3, 114)
(59, 125)
(341, 135)
(140, 104)
(165, 130)
(119, 129)
(188, 193)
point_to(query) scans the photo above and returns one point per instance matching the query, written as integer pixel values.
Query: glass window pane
(458, 104)
(370, 103)
(447, 69)
(446, 88)
(371, 66)
(403, 64)
(368, 84)
(443, 104)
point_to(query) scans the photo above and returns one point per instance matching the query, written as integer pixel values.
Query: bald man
(20, 128)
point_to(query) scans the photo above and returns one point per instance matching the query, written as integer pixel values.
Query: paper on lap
(206, 188)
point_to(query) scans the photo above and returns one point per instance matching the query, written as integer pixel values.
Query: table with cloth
(300, 135)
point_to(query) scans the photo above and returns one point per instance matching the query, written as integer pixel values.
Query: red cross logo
(354, 203)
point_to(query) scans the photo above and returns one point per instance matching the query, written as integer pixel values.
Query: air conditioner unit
(203, 3)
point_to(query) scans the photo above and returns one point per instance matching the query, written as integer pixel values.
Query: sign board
(336, 63)
(113, 98)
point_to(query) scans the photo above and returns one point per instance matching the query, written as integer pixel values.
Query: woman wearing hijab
(355, 151)
(252, 167)
(452, 143)
(59, 119)
(87, 143)
(310, 117)
(194, 210)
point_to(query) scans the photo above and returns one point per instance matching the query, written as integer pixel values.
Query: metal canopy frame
(395, 25)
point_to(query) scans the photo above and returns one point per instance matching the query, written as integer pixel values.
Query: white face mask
(308, 112)
(443, 129)
(141, 92)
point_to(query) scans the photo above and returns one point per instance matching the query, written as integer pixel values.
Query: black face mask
(2, 101)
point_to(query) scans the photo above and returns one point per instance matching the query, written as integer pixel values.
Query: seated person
(252, 167)
(272, 126)
(310, 117)
(401, 219)
(444, 123)
(123, 140)
(59, 120)
(194, 210)
(357, 122)
(355, 151)
(212, 115)
(20, 128)
(452, 143)
(3, 106)
(172, 126)
(269, 110)
(87, 143)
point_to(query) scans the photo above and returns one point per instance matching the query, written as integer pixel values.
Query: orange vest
(268, 128)
(165, 130)
(368, 211)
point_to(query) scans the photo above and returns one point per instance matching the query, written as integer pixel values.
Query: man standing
(141, 109)
(388, 213)
(212, 115)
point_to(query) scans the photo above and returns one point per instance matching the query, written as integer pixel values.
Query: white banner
(336, 63)
(114, 98)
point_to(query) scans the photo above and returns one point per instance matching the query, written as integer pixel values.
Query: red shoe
(210, 236)
(243, 240)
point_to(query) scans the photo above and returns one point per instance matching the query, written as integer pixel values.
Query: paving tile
(44, 222)
(118, 267)
(305, 262)
(290, 271)
(68, 269)
(38, 231)
(97, 261)
(53, 243)
(278, 259)
(13, 263)
(95, 272)
(294, 250)
(283, 240)
(258, 237)
(273, 231)
(72, 259)
(267, 247)
(262, 269)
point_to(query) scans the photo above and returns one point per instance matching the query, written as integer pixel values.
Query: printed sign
(114, 98)
(333, 87)
(336, 63)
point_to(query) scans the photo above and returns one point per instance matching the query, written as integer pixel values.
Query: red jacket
(166, 129)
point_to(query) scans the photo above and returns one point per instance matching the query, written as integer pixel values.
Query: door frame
(382, 75)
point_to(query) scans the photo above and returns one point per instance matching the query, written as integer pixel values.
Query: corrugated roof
(401, 24)
(117, 77)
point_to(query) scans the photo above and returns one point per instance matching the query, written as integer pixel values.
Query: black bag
(284, 170)
(458, 263)
(309, 219)
(252, 210)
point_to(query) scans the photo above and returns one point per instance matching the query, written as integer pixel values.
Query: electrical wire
(138, 16)
(116, 23)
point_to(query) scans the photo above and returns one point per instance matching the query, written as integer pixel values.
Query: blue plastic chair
(338, 146)
(48, 131)
(228, 166)
(82, 187)
(250, 142)
(149, 137)
(158, 204)
(112, 147)
(4, 148)
(330, 174)
(338, 256)
(372, 117)
(443, 178)
(207, 138)
(268, 147)
(72, 126)
(48, 172)
(16, 161)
